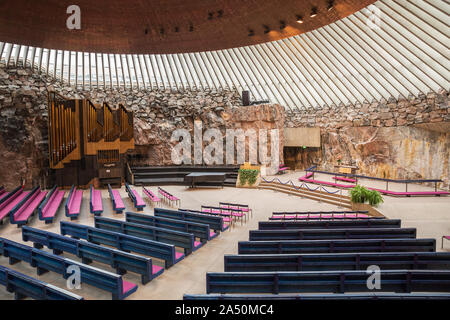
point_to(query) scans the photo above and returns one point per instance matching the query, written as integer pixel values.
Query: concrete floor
(430, 215)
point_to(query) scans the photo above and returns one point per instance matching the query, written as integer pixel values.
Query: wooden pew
(199, 230)
(180, 239)
(123, 242)
(322, 234)
(337, 261)
(336, 246)
(327, 281)
(88, 252)
(45, 262)
(214, 222)
(24, 286)
(343, 224)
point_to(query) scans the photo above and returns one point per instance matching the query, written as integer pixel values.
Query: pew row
(180, 239)
(215, 223)
(333, 224)
(117, 202)
(321, 297)
(153, 197)
(22, 212)
(170, 198)
(199, 230)
(123, 242)
(95, 202)
(322, 234)
(405, 281)
(88, 252)
(320, 215)
(236, 206)
(8, 202)
(72, 205)
(336, 246)
(49, 208)
(24, 286)
(339, 261)
(45, 262)
(138, 203)
(229, 215)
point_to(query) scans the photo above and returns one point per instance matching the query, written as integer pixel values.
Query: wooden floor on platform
(429, 215)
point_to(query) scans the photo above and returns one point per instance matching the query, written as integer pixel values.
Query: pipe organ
(88, 141)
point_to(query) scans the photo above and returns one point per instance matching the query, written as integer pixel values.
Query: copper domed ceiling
(165, 26)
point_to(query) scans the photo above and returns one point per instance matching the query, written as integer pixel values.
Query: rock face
(24, 120)
(381, 137)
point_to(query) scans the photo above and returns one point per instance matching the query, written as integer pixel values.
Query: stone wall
(23, 120)
(382, 138)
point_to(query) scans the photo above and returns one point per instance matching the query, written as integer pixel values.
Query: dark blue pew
(138, 203)
(332, 224)
(336, 246)
(88, 252)
(320, 297)
(215, 223)
(199, 230)
(24, 286)
(45, 262)
(327, 281)
(123, 242)
(323, 234)
(337, 261)
(180, 239)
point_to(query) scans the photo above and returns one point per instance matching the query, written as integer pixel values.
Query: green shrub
(360, 194)
(248, 175)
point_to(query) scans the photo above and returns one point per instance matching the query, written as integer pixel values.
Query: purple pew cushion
(7, 207)
(212, 234)
(139, 201)
(447, 237)
(97, 200)
(156, 269)
(197, 244)
(75, 203)
(128, 286)
(28, 208)
(53, 204)
(178, 255)
(118, 200)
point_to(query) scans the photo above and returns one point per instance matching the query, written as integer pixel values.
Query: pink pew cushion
(118, 200)
(178, 255)
(75, 204)
(139, 201)
(197, 244)
(28, 208)
(211, 233)
(156, 269)
(97, 200)
(447, 237)
(53, 204)
(128, 286)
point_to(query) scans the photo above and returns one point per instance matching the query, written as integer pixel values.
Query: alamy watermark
(74, 20)
(208, 146)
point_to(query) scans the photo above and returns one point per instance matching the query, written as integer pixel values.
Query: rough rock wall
(381, 137)
(24, 127)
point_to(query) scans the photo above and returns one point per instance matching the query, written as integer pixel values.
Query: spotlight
(210, 15)
(161, 30)
(266, 29)
(219, 14)
(251, 32)
(282, 25)
(177, 29)
(313, 12)
(330, 4)
(299, 19)
(146, 31)
(191, 28)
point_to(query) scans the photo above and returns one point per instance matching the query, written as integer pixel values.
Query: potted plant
(360, 195)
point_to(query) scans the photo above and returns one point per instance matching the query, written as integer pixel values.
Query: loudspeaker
(246, 98)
